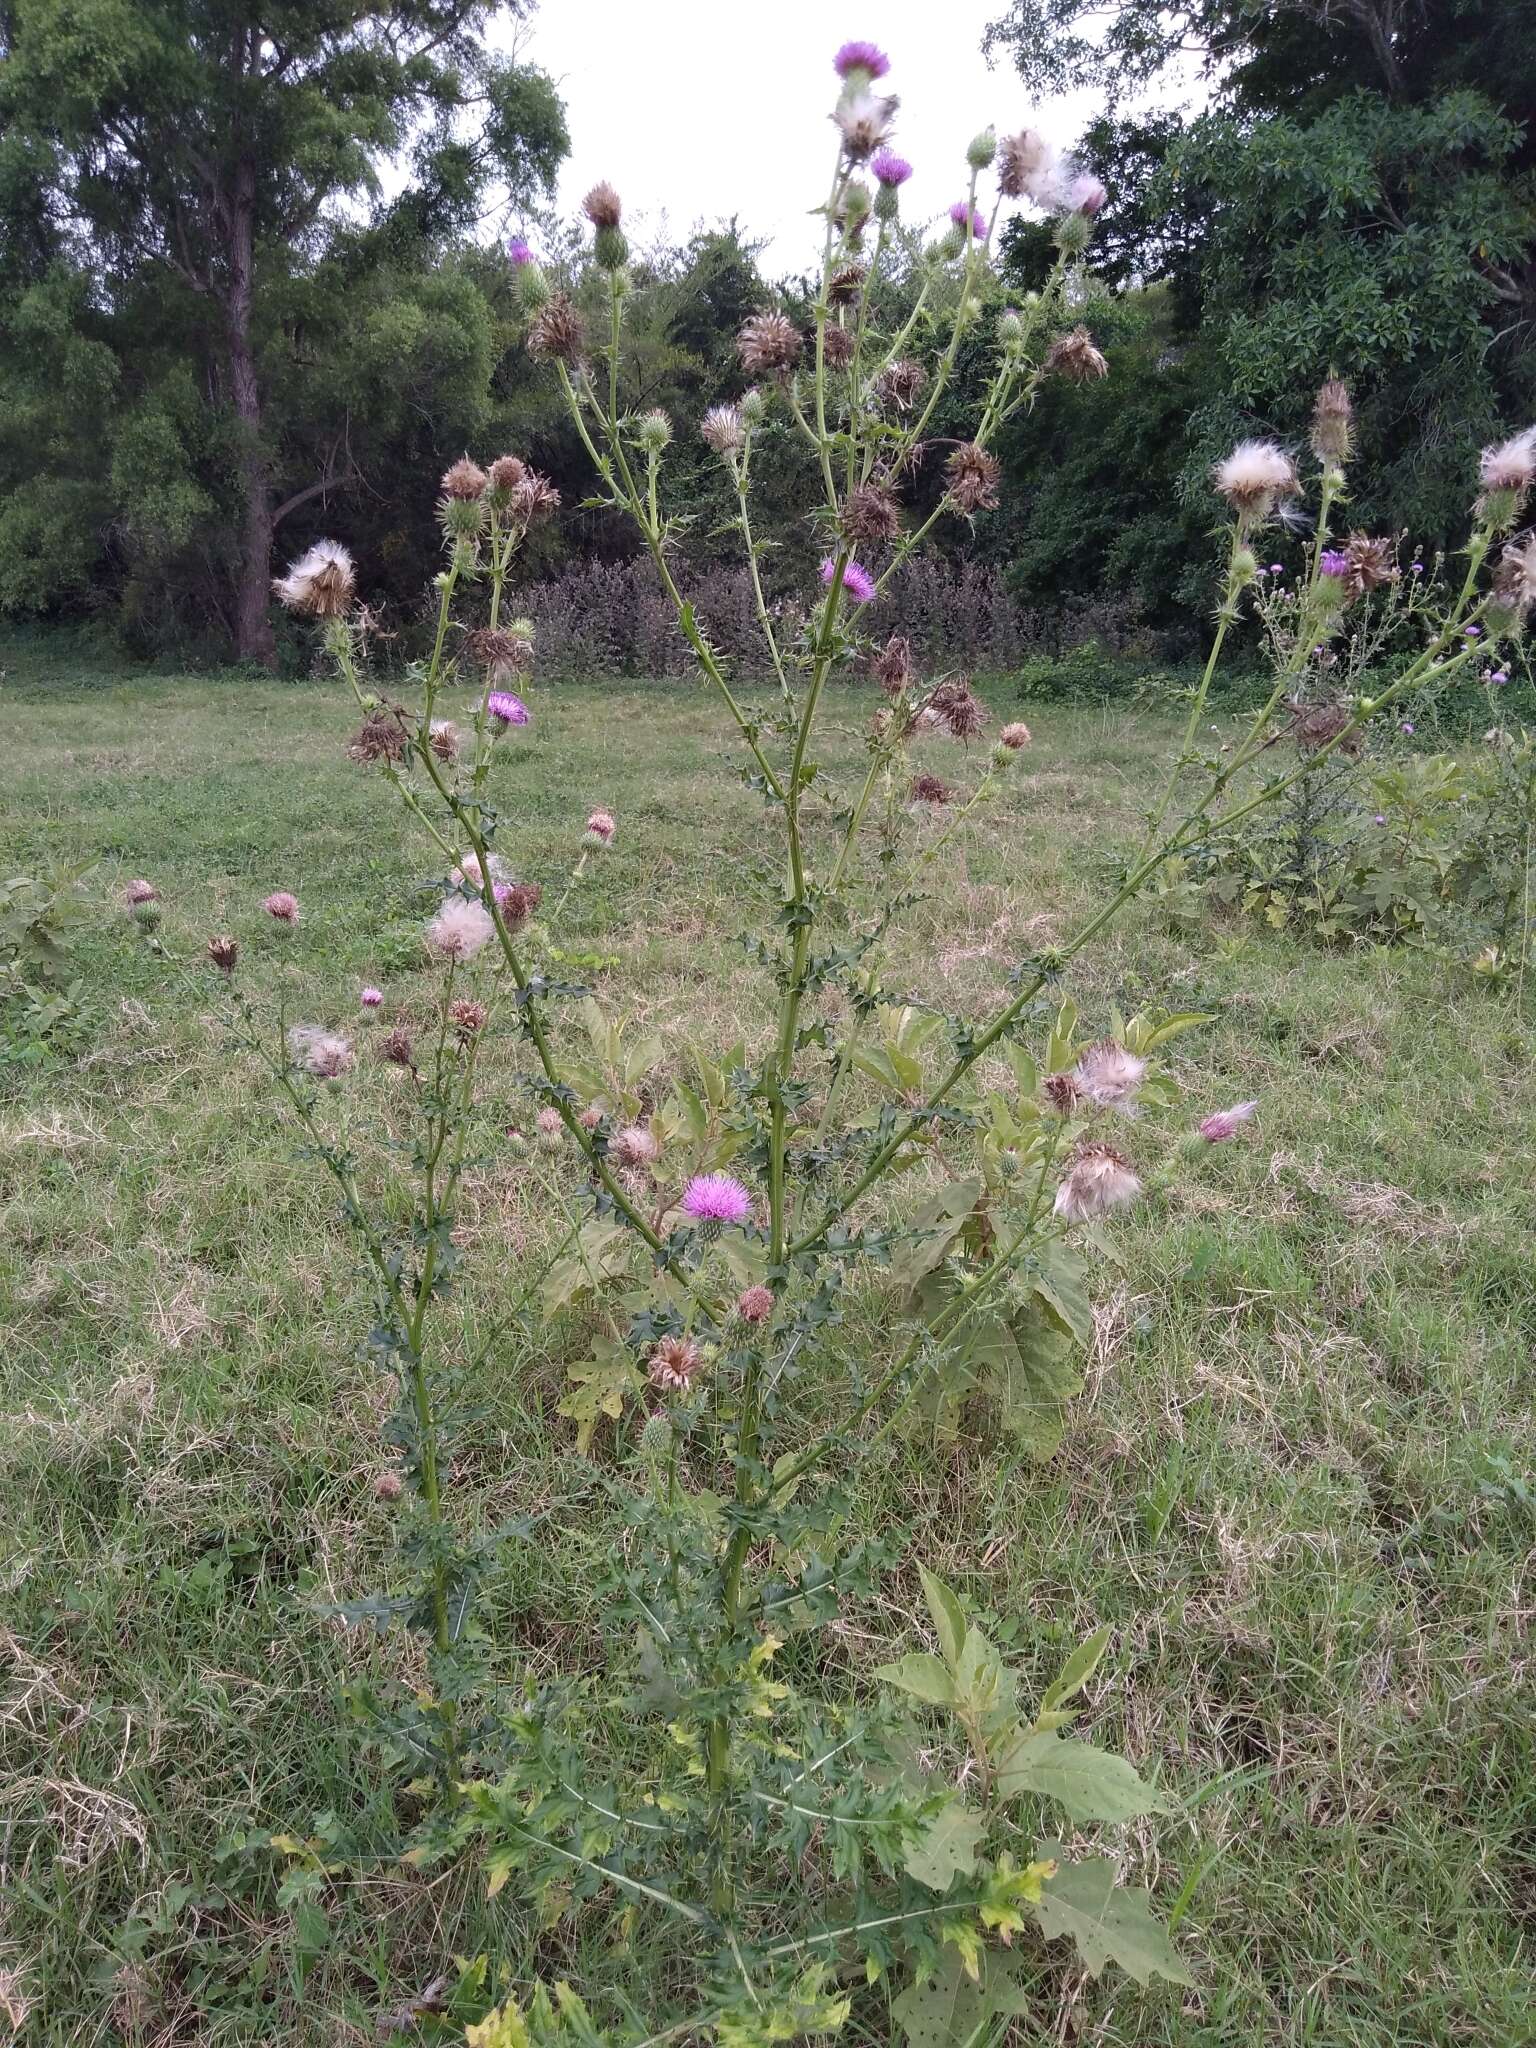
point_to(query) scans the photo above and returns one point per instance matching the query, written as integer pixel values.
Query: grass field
(1301, 1483)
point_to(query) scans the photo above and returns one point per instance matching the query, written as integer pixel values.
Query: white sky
(698, 109)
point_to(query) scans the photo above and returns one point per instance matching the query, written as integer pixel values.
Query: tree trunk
(253, 624)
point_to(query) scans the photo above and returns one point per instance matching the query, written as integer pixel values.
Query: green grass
(1298, 1483)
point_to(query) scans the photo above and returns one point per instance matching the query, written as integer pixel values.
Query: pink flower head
(1473, 632)
(755, 1304)
(1086, 194)
(371, 998)
(858, 584)
(281, 905)
(890, 169)
(716, 1198)
(1334, 563)
(140, 891)
(859, 56)
(965, 216)
(504, 709)
(518, 252)
(601, 826)
(1225, 1123)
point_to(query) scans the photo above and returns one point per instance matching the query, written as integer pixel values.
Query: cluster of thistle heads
(776, 353)
(1260, 481)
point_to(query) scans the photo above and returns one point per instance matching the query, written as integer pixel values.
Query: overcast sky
(698, 109)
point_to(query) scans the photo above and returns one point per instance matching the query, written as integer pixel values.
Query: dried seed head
(1256, 477)
(1025, 164)
(556, 333)
(972, 476)
(845, 285)
(1098, 1180)
(320, 583)
(602, 206)
(534, 498)
(506, 473)
(1015, 736)
(1514, 581)
(1372, 564)
(517, 901)
(443, 739)
(282, 906)
(396, 1048)
(1333, 422)
(468, 1019)
(869, 514)
(1062, 1093)
(892, 666)
(466, 481)
(900, 384)
(957, 708)
(224, 951)
(836, 347)
(634, 1145)
(928, 789)
(864, 121)
(1511, 464)
(1109, 1075)
(501, 654)
(723, 428)
(1075, 357)
(380, 737)
(767, 342)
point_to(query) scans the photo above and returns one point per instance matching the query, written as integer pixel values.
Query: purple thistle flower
(1407, 727)
(1224, 1124)
(716, 1198)
(965, 216)
(1334, 563)
(1473, 632)
(518, 252)
(857, 581)
(371, 998)
(1500, 675)
(504, 709)
(1277, 568)
(889, 168)
(860, 56)
(1417, 568)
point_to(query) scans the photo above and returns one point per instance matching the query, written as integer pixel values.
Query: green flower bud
(653, 431)
(656, 1438)
(610, 248)
(753, 407)
(1245, 566)
(982, 149)
(1074, 231)
(1010, 328)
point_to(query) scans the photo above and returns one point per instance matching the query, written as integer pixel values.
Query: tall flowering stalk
(731, 1215)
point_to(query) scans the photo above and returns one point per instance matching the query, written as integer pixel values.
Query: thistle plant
(802, 1848)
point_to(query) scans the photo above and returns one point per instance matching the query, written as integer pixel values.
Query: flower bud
(610, 248)
(654, 431)
(1074, 232)
(753, 407)
(982, 149)
(854, 206)
(147, 913)
(656, 1438)
(1245, 567)
(1010, 328)
(517, 1143)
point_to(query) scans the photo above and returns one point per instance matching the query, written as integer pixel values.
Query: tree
(1359, 199)
(202, 182)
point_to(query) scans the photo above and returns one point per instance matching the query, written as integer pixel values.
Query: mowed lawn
(1301, 1482)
